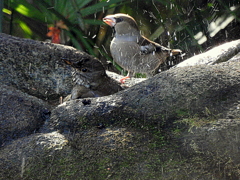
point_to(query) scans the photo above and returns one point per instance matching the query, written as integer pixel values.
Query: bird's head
(123, 24)
(86, 71)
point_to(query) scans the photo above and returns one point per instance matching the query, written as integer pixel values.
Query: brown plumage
(90, 79)
(132, 51)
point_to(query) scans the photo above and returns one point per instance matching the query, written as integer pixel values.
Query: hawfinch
(132, 51)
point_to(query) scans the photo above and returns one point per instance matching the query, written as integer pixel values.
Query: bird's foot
(122, 80)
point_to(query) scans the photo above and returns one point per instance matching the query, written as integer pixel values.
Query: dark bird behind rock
(90, 79)
(132, 51)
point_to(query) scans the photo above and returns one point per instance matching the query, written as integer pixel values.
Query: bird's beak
(109, 20)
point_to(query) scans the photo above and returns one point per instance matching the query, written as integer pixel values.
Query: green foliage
(72, 12)
(26, 9)
(25, 28)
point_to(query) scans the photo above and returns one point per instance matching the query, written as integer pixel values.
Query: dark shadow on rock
(21, 114)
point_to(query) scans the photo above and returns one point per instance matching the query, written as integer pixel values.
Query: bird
(131, 50)
(90, 79)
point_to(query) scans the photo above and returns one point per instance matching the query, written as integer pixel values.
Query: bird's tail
(176, 52)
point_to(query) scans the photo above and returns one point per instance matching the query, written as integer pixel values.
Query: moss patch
(114, 153)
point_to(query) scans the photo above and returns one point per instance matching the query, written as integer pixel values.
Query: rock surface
(200, 90)
(181, 124)
(22, 154)
(35, 67)
(21, 114)
(222, 53)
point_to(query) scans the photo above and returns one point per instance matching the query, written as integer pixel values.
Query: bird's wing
(150, 47)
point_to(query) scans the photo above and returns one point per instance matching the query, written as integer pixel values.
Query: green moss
(182, 113)
(124, 153)
(150, 163)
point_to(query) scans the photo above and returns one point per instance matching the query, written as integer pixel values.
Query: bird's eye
(119, 20)
(84, 69)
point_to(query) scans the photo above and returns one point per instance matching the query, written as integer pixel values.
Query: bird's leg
(129, 75)
(122, 80)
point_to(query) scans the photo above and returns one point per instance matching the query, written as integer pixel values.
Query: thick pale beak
(110, 21)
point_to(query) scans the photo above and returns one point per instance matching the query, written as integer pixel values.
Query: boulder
(24, 153)
(180, 92)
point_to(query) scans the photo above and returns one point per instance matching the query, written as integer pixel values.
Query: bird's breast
(124, 51)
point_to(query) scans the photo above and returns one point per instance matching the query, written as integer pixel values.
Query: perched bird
(90, 79)
(132, 51)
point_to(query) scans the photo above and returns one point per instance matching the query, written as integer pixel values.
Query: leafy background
(190, 25)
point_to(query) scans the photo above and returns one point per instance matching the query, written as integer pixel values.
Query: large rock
(180, 92)
(202, 90)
